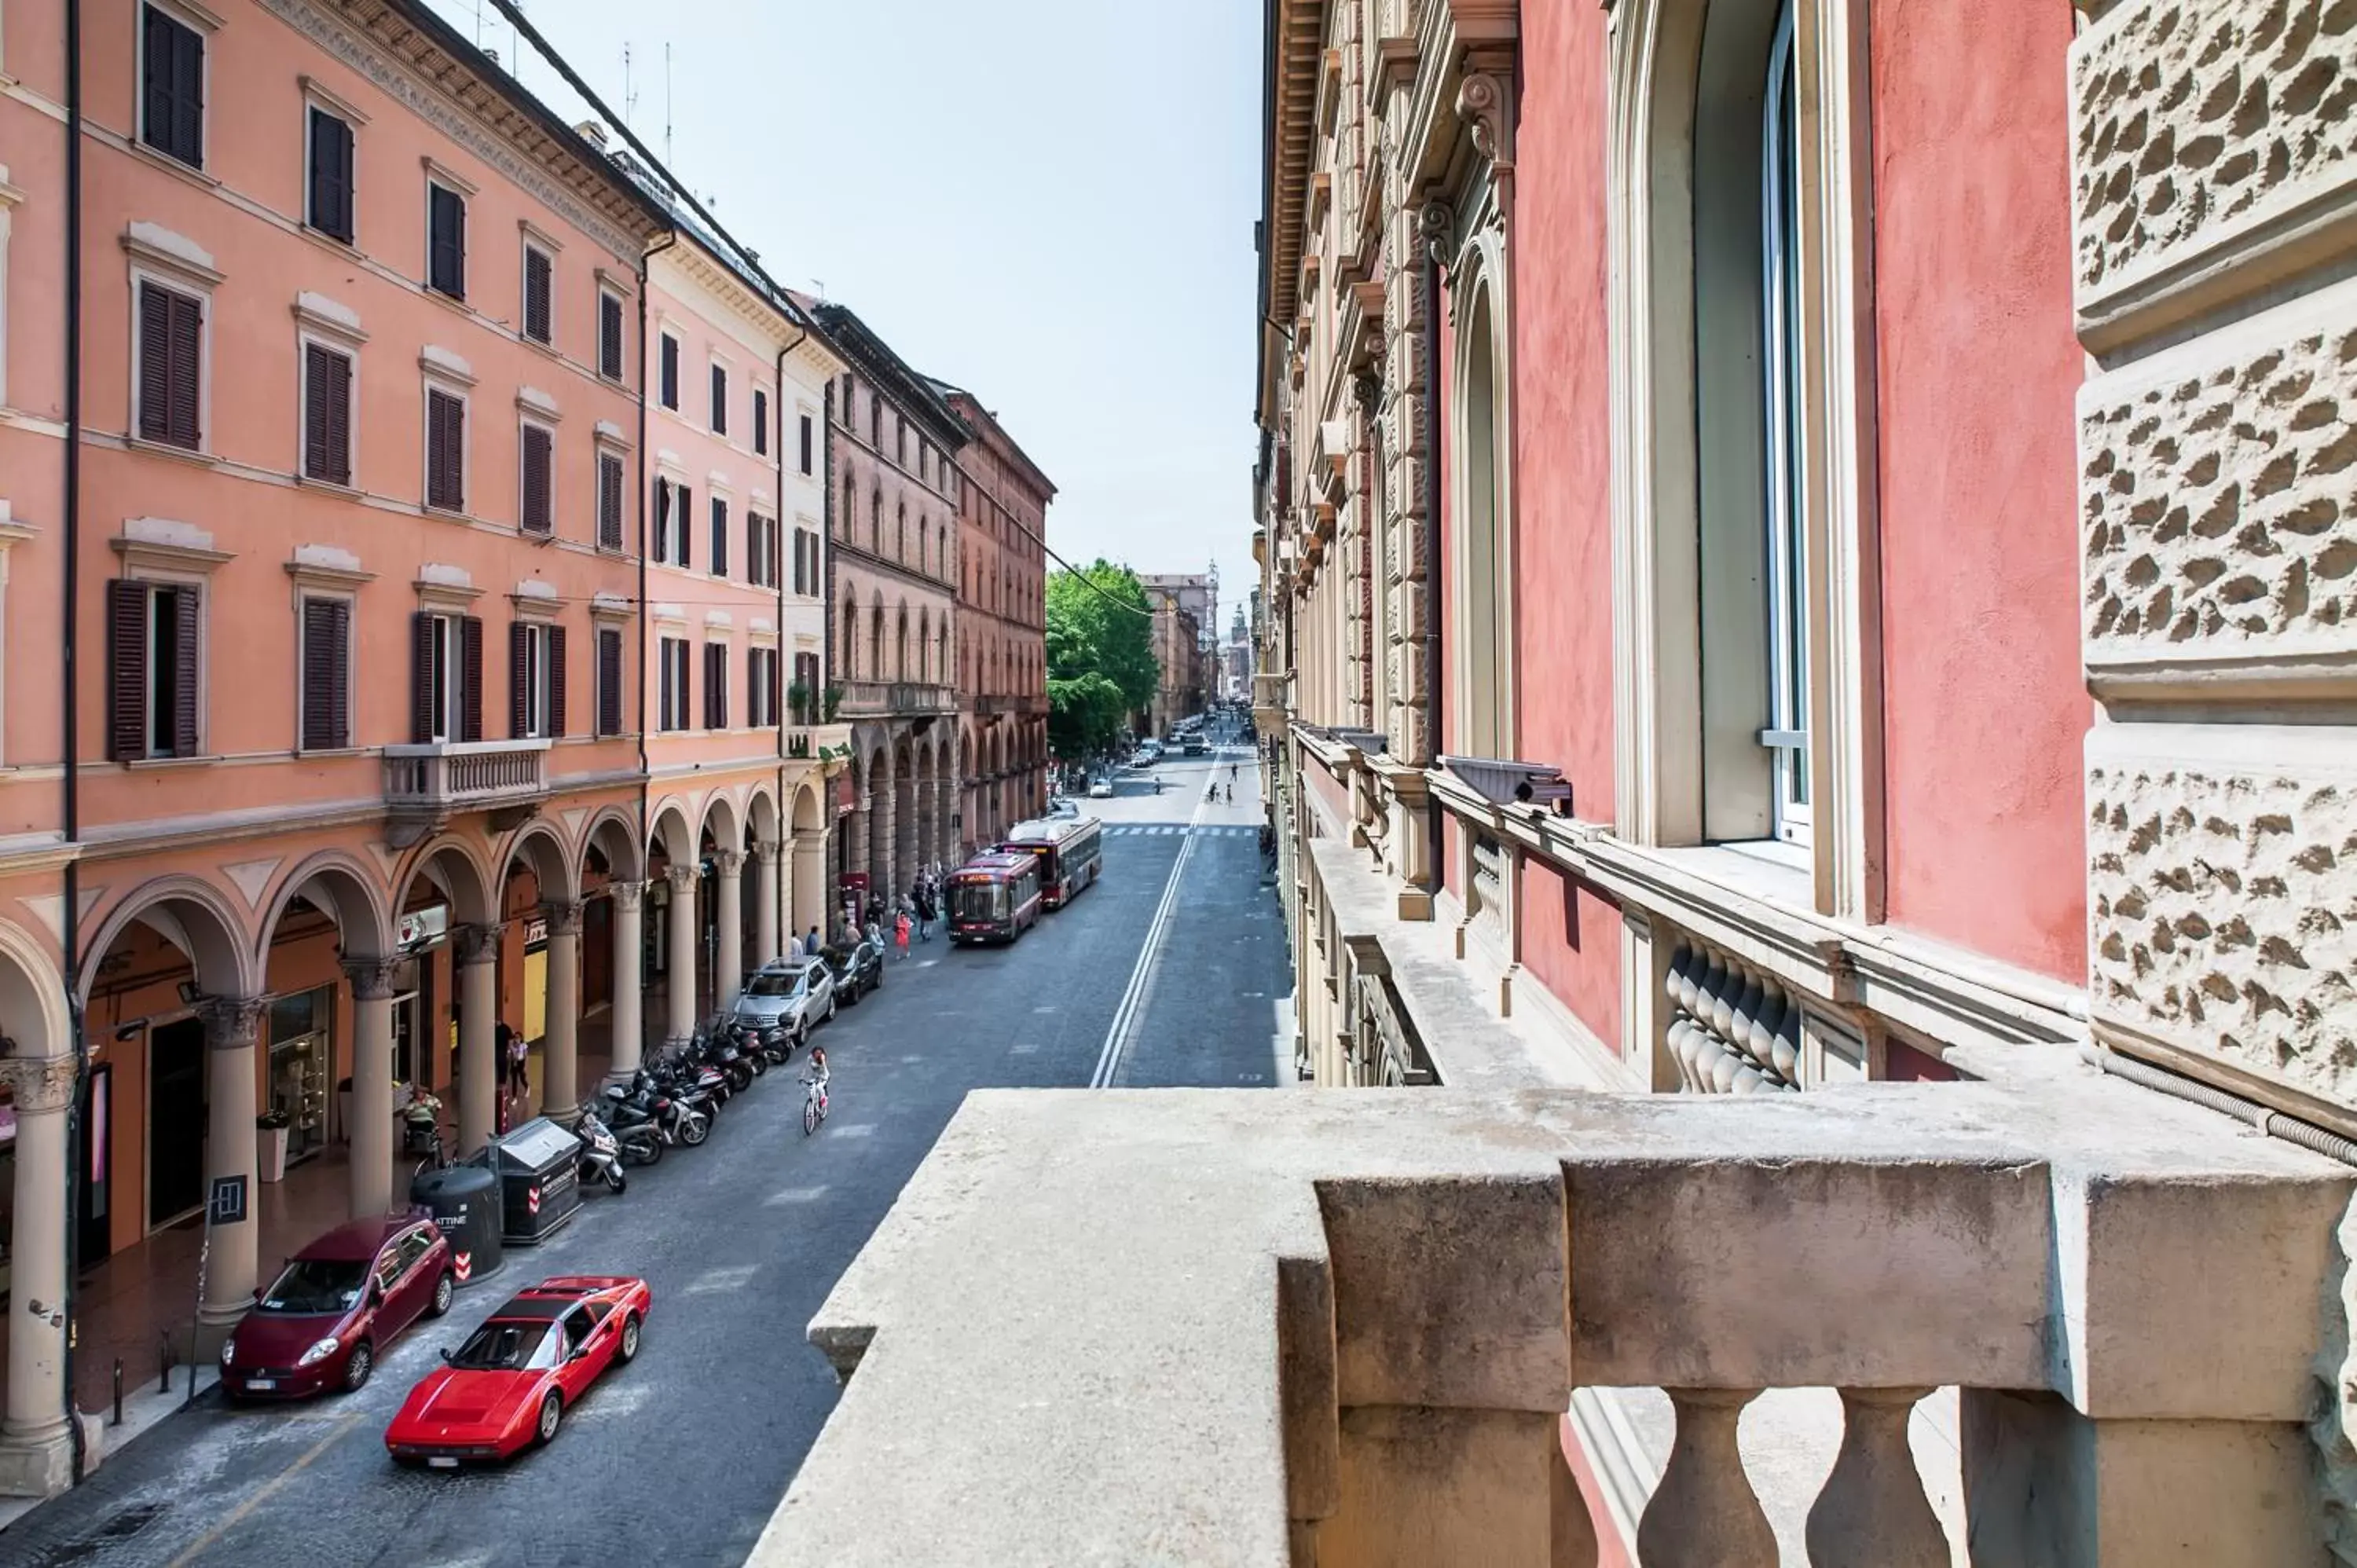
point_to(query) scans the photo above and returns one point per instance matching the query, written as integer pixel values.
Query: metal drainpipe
(1433, 596)
(646, 774)
(784, 828)
(70, 940)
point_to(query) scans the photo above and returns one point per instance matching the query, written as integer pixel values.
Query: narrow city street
(1170, 972)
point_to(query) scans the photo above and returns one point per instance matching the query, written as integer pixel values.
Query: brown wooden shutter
(184, 343)
(682, 512)
(754, 685)
(421, 678)
(155, 363)
(610, 337)
(445, 269)
(326, 424)
(719, 537)
(185, 662)
(339, 417)
(327, 693)
(610, 682)
(470, 678)
(126, 669)
(519, 693)
(331, 176)
(189, 98)
(662, 519)
(555, 681)
(537, 456)
(446, 455)
(536, 281)
(609, 501)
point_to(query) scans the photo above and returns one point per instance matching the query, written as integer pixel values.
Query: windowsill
(329, 753)
(457, 302)
(450, 514)
(159, 764)
(1765, 869)
(332, 486)
(197, 455)
(350, 247)
(171, 165)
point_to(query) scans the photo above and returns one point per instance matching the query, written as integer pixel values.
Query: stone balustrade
(426, 786)
(1243, 1327)
(1733, 1030)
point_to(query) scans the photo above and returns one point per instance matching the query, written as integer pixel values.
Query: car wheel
(629, 1349)
(357, 1367)
(552, 1416)
(444, 1289)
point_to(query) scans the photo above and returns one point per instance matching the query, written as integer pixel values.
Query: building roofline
(960, 400)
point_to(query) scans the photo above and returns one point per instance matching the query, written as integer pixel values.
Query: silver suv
(794, 993)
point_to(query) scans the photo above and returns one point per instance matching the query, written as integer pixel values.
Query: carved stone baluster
(1872, 1512)
(1704, 1514)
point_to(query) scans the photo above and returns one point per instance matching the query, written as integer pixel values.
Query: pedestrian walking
(1232, 794)
(813, 941)
(519, 1066)
(901, 932)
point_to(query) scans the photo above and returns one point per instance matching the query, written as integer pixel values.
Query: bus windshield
(977, 900)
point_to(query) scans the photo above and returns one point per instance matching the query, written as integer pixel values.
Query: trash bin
(465, 1202)
(539, 1186)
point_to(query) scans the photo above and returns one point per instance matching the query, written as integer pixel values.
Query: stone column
(883, 835)
(36, 1439)
(630, 977)
(681, 990)
(231, 1151)
(370, 1131)
(766, 945)
(477, 950)
(811, 891)
(728, 951)
(560, 1065)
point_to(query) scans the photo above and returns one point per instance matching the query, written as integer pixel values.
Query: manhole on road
(114, 1530)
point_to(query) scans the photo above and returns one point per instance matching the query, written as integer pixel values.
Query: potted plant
(798, 698)
(834, 701)
(270, 1128)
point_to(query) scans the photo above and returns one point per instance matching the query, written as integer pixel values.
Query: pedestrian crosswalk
(1149, 830)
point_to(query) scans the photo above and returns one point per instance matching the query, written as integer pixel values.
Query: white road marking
(1025, 1050)
(856, 1130)
(910, 1061)
(1125, 1017)
(793, 1195)
(619, 1399)
(714, 1281)
(1046, 1009)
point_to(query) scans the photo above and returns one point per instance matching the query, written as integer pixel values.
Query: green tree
(1101, 664)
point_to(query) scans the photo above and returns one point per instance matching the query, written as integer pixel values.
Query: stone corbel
(1485, 105)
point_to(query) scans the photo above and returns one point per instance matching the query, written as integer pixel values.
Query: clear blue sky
(1048, 202)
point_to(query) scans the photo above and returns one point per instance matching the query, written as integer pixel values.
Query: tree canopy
(1101, 664)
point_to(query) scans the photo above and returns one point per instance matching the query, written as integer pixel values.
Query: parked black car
(858, 970)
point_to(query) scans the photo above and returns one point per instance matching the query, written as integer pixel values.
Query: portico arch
(455, 868)
(38, 1065)
(613, 846)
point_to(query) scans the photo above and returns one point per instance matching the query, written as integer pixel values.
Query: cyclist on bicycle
(818, 1073)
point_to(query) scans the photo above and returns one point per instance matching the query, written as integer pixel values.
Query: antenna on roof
(629, 93)
(666, 100)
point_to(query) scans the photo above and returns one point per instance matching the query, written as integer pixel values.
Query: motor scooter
(601, 1152)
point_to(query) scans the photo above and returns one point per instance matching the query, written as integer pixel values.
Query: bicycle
(815, 1105)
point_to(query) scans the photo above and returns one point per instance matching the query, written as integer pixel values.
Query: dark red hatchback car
(323, 1322)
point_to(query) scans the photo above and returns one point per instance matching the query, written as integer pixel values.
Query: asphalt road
(1149, 979)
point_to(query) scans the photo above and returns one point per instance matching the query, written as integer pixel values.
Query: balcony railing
(818, 743)
(426, 786)
(1365, 1324)
(895, 699)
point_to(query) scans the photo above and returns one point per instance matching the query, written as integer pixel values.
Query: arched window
(1787, 731)
(876, 639)
(850, 506)
(900, 534)
(1483, 727)
(925, 645)
(850, 637)
(876, 520)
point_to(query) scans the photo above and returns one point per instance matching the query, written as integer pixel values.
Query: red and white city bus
(1069, 850)
(993, 898)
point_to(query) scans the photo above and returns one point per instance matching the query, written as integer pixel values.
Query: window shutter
(610, 682)
(445, 452)
(519, 691)
(447, 258)
(662, 519)
(806, 443)
(340, 418)
(754, 686)
(421, 678)
(609, 501)
(155, 128)
(760, 420)
(536, 283)
(323, 390)
(719, 401)
(184, 665)
(669, 371)
(555, 681)
(536, 458)
(154, 361)
(719, 537)
(470, 678)
(126, 667)
(610, 337)
(327, 631)
(331, 176)
(683, 509)
(189, 97)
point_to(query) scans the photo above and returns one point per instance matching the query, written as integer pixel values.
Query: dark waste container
(465, 1202)
(539, 1190)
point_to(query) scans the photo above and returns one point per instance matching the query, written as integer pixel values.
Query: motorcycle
(601, 1152)
(681, 1108)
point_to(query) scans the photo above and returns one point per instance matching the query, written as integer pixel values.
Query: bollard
(118, 1391)
(164, 1384)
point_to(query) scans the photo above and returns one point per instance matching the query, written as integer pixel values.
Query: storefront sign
(535, 932)
(227, 1205)
(421, 927)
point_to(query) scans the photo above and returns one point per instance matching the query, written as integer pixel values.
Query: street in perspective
(1329, 783)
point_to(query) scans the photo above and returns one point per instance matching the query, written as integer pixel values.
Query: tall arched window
(900, 648)
(850, 506)
(876, 520)
(1484, 728)
(1786, 735)
(900, 534)
(924, 645)
(875, 638)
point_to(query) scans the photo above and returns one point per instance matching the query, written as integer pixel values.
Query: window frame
(674, 693)
(759, 415)
(609, 295)
(201, 27)
(536, 679)
(173, 281)
(532, 246)
(307, 340)
(315, 109)
(441, 180)
(809, 443)
(450, 686)
(1784, 506)
(717, 386)
(668, 349)
(304, 598)
(716, 692)
(526, 424)
(443, 386)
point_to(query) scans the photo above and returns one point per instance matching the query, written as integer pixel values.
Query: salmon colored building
(1002, 617)
(320, 452)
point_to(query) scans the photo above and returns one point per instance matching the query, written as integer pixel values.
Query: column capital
(231, 1022)
(766, 850)
(809, 838)
(727, 863)
(371, 978)
(683, 878)
(39, 1084)
(477, 944)
(628, 894)
(563, 917)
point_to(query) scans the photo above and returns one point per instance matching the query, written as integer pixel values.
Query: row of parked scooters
(675, 1099)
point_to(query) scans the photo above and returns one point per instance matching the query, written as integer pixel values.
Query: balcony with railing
(426, 786)
(818, 743)
(895, 699)
(1345, 1328)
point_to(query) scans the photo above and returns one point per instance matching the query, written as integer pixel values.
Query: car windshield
(505, 1345)
(776, 982)
(316, 1284)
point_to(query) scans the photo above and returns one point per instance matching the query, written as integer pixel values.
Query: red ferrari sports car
(509, 1385)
